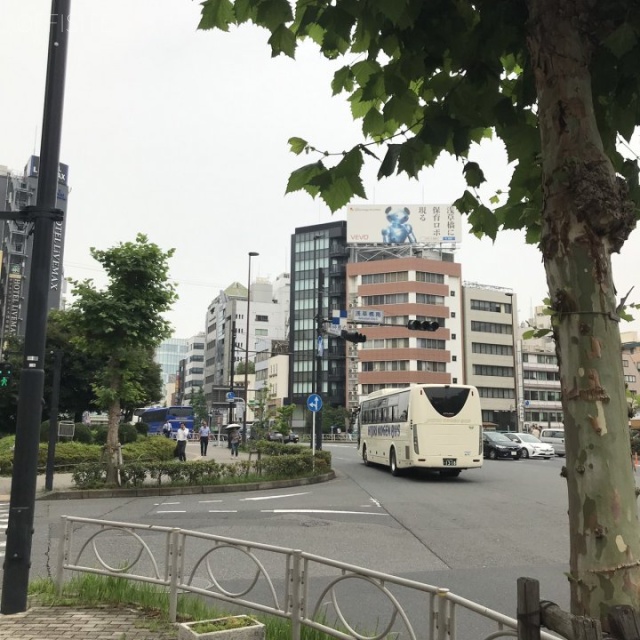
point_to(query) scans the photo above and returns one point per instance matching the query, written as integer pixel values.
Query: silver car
(530, 446)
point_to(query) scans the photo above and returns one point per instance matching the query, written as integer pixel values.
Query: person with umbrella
(234, 440)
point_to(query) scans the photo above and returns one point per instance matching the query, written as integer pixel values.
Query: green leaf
(273, 14)
(297, 145)
(390, 161)
(393, 10)
(483, 222)
(301, 178)
(622, 40)
(373, 123)
(216, 14)
(342, 80)
(283, 40)
(473, 174)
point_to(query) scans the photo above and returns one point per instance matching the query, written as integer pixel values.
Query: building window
(491, 370)
(394, 298)
(262, 318)
(491, 327)
(262, 332)
(427, 298)
(493, 392)
(492, 349)
(454, 358)
(430, 343)
(424, 276)
(485, 305)
(424, 365)
(381, 278)
(453, 314)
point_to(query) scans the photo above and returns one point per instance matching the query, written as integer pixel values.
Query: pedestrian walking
(166, 429)
(182, 435)
(234, 439)
(205, 432)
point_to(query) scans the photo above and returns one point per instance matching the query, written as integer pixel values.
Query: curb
(139, 492)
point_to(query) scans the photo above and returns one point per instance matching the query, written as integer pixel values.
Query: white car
(530, 446)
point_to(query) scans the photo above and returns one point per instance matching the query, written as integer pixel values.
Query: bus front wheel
(393, 464)
(364, 455)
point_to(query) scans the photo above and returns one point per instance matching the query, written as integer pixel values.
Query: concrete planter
(253, 631)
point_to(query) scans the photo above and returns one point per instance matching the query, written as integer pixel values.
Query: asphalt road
(475, 534)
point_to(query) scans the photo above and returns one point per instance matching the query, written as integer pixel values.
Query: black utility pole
(17, 561)
(319, 338)
(53, 418)
(232, 369)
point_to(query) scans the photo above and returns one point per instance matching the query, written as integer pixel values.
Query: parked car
(292, 437)
(497, 445)
(554, 437)
(275, 436)
(530, 446)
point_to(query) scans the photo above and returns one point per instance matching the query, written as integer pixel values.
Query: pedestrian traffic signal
(422, 325)
(353, 336)
(5, 374)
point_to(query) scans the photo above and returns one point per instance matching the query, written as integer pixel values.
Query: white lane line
(207, 501)
(168, 511)
(223, 511)
(376, 502)
(360, 513)
(164, 504)
(287, 495)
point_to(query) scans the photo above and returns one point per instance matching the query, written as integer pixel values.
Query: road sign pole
(313, 441)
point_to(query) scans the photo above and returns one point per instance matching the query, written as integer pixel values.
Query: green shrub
(142, 428)
(152, 448)
(44, 431)
(127, 433)
(82, 433)
(100, 435)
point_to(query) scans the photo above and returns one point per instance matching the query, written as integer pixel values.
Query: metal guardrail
(307, 589)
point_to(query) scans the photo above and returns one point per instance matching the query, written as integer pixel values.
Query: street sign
(314, 403)
(334, 329)
(367, 316)
(320, 346)
(230, 396)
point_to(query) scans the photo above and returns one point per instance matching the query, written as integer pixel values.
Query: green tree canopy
(558, 84)
(121, 324)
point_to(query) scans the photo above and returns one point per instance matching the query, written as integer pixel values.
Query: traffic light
(422, 325)
(5, 374)
(353, 336)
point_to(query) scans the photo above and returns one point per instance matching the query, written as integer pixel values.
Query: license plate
(449, 462)
(514, 453)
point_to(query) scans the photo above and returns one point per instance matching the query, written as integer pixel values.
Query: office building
(490, 353)
(315, 249)
(16, 192)
(404, 283)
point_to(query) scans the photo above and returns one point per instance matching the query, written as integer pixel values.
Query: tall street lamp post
(246, 352)
(316, 374)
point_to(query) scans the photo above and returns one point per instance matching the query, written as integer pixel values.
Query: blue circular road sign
(230, 396)
(314, 403)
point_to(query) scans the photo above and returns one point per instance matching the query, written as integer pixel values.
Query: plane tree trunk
(586, 217)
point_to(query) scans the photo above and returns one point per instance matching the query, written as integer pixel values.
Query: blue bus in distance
(155, 418)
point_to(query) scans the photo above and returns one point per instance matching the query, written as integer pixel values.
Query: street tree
(558, 84)
(197, 401)
(121, 322)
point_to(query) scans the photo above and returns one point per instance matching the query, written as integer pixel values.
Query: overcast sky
(182, 135)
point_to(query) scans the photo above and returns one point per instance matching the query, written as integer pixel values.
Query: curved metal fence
(342, 600)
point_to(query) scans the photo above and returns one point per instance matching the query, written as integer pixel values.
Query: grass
(90, 590)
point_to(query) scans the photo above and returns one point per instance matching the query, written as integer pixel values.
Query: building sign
(33, 167)
(367, 316)
(14, 293)
(56, 257)
(395, 225)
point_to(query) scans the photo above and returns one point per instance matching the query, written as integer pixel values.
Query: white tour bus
(428, 426)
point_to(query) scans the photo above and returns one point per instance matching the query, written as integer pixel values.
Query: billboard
(33, 168)
(403, 224)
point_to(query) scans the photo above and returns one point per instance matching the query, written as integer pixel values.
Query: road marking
(223, 511)
(167, 511)
(206, 501)
(360, 513)
(164, 504)
(376, 502)
(287, 495)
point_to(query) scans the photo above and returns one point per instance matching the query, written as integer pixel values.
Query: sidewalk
(68, 623)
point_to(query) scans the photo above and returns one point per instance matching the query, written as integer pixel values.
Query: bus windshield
(447, 401)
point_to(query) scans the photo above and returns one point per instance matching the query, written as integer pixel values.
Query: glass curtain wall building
(317, 247)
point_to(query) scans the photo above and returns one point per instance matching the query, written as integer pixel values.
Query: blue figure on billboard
(398, 231)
